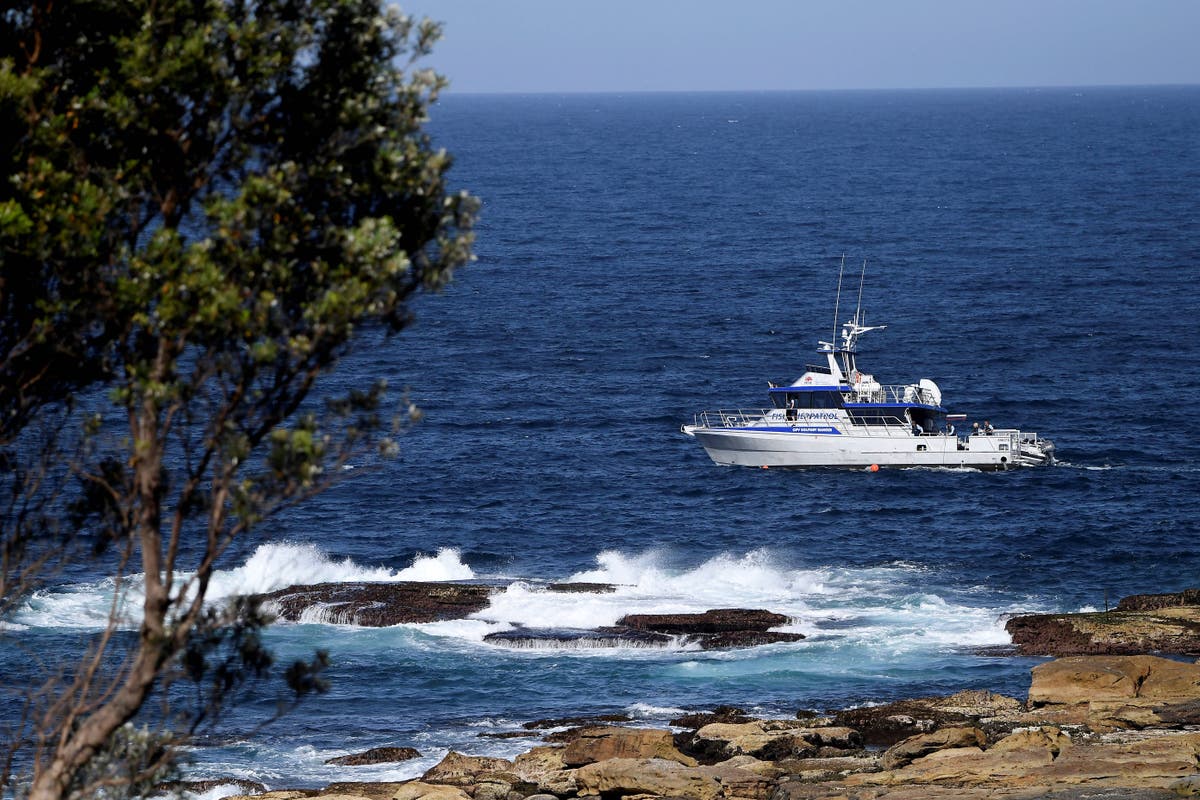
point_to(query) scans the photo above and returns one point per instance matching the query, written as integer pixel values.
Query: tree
(204, 201)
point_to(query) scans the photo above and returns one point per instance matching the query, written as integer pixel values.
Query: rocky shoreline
(1107, 726)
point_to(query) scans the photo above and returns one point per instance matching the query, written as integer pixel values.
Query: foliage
(204, 201)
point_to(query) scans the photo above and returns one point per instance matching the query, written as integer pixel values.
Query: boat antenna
(858, 309)
(837, 302)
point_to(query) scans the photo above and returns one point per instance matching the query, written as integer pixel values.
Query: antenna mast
(858, 308)
(837, 302)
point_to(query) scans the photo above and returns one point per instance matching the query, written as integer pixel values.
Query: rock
(1116, 692)
(563, 722)
(829, 769)
(654, 776)
(492, 790)
(885, 725)
(457, 769)
(738, 781)
(1122, 679)
(924, 744)
(721, 620)
(1153, 602)
(833, 736)
(1155, 761)
(580, 587)
(731, 640)
(417, 790)
(718, 714)
(602, 744)
(769, 769)
(521, 637)
(1186, 787)
(1164, 629)
(378, 604)
(628, 636)
(370, 790)
(544, 768)
(205, 786)
(975, 704)
(765, 739)
(1048, 738)
(376, 755)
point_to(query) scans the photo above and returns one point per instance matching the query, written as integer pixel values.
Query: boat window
(826, 399)
(809, 399)
(874, 416)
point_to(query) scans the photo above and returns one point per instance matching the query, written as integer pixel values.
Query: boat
(837, 415)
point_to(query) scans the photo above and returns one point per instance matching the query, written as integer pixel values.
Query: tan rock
(923, 744)
(831, 736)
(1088, 679)
(373, 790)
(657, 776)
(1148, 761)
(751, 764)
(1049, 738)
(457, 769)
(607, 742)
(418, 790)
(976, 703)
(740, 782)
(544, 767)
(492, 790)
(1186, 787)
(770, 739)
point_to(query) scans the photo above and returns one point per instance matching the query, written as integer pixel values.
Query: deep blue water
(645, 257)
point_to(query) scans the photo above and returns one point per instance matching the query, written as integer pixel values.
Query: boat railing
(892, 393)
(740, 418)
(729, 419)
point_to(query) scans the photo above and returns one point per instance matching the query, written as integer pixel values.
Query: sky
(561, 46)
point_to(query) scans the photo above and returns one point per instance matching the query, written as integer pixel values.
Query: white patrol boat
(838, 416)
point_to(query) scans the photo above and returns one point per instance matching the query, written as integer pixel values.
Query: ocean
(644, 257)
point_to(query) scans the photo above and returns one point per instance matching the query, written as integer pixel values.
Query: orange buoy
(766, 466)
(874, 468)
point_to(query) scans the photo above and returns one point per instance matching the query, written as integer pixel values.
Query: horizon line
(584, 92)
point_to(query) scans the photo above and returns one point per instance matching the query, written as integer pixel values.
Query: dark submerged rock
(729, 640)
(381, 604)
(580, 587)
(201, 787)
(376, 755)
(726, 714)
(720, 620)
(601, 637)
(563, 722)
(704, 631)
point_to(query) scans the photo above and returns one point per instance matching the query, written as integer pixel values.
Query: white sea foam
(881, 609)
(878, 608)
(647, 711)
(270, 567)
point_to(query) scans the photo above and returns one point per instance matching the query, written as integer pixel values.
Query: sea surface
(644, 257)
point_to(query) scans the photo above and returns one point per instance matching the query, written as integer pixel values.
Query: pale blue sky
(671, 45)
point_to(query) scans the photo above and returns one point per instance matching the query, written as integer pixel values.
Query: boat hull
(763, 448)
